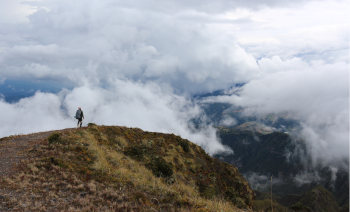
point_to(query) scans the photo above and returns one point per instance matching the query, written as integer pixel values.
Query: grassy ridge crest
(111, 168)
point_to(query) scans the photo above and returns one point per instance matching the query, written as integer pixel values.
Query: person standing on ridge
(80, 116)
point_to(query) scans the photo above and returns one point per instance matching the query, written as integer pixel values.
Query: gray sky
(135, 63)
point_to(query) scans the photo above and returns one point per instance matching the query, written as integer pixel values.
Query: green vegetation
(299, 207)
(262, 202)
(318, 199)
(265, 205)
(54, 138)
(265, 195)
(160, 167)
(185, 145)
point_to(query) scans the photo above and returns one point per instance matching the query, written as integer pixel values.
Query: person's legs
(81, 122)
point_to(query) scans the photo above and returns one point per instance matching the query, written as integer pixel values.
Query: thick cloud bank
(95, 40)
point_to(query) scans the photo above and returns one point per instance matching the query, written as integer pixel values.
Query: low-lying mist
(124, 103)
(317, 95)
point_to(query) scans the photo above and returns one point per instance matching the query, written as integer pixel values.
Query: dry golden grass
(143, 177)
(55, 180)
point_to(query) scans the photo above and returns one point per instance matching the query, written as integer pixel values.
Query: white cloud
(172, 6)
(193, 50)
(139, 46)
(326, 42)
(228, 121)
(261, 182)
(316, 30)
(317, 94)
(334, 171)
(306, 178)
(14, 11)
(275, 64)
(144, 106)
(35, 114)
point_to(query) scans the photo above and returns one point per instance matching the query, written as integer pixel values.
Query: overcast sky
(136, 63)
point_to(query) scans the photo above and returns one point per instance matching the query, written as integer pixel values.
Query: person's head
(79, 108)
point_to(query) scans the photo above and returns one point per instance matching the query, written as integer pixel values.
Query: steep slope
(109, 168)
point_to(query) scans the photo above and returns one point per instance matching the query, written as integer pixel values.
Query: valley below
(260, 156)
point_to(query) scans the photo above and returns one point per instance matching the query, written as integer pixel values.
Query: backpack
(78, 114)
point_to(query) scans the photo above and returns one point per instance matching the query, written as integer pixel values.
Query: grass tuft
(54, 138)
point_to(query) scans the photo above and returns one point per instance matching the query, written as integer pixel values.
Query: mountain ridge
(111, 168)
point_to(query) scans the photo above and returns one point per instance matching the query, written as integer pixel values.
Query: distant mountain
(218, 112)
(318, 199)
(263, 147)
(259, 156)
